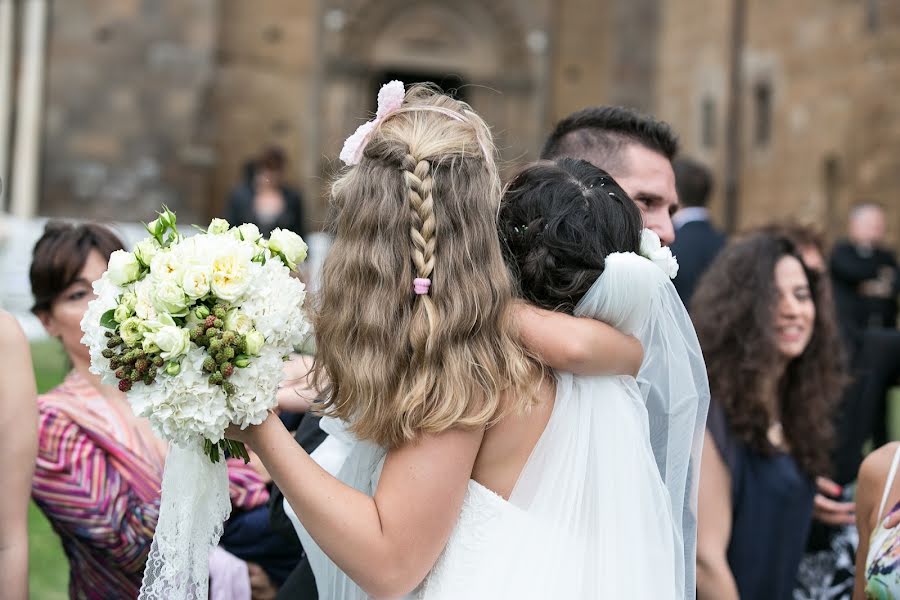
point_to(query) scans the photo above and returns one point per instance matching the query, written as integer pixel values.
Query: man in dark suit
(866, 283)
(865, 275)
(696, 241)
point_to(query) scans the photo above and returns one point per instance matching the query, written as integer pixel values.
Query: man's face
(867, 226)
(648, 178)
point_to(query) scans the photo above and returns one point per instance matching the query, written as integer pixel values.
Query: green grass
(48, 569)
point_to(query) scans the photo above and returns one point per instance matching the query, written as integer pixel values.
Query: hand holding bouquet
(194, 331)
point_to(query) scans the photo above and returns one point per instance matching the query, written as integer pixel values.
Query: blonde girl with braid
(420, 352)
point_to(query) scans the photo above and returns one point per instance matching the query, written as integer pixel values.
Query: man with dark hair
(696, 241)
(634, 148)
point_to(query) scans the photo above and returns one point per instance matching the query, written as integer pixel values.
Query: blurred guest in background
(18, 422)
(697, 242)
(866, 284)
(99, 466)
(827, 569)
(771, 347)
(263, 198)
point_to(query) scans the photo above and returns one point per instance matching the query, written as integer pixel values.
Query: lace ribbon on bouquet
(194, 506)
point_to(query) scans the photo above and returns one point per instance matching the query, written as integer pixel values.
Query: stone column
(30, 103)
(7, 16)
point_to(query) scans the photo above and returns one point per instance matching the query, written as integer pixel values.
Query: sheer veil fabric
(605, 506)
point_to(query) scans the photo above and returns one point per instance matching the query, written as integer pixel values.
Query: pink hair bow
(390, 98)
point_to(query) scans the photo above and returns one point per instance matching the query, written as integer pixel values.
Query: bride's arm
(386, 543)
(578, 345)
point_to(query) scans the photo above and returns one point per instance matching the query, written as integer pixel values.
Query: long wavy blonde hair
(422, 202)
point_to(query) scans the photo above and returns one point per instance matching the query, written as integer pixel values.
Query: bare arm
(386, 543)
(18, 422)
(871, 481)
(714, 578)
(578, 345)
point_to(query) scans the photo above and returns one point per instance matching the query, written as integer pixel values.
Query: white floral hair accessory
(390, 98)
(653, 250)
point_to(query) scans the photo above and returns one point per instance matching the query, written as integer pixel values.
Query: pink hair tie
(421, 285)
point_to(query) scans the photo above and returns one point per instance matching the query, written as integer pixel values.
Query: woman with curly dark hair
(771, 347)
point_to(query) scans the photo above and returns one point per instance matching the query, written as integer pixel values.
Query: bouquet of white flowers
(194, 330)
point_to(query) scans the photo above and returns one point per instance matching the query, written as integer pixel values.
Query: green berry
(218, 323)
(108, 334)
(209, 364)
(220, 311)
(216, 378)
(135, 376)
(196, 334)
(141, 365)
(229, 388)
(158, 361)
(212, 332)
(108, 353)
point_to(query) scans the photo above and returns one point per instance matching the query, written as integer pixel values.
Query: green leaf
(108, 319)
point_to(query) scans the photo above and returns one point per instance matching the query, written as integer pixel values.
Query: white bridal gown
(605, 506)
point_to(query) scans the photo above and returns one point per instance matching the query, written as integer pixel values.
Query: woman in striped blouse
(99, 467)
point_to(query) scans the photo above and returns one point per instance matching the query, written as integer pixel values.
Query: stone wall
(127, 119)
(830, 72)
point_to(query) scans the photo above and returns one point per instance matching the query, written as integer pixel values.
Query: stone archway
(483, 44)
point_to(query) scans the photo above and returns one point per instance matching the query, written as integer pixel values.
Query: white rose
(289, 245)
(132, 331)
(173, 341)
(196, 281)
(145, 250)
(217, 226)
(660, 255)
(163, 320)
(255, 342)
(168, 297)
(247, 232)
(123, 267)
(230, 277)
(128, 299)
(238, 322)
(122, 313)
(156, 227)
(166, 265)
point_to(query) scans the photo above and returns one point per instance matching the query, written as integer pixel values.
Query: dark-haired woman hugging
(771, 348)
(574, 241)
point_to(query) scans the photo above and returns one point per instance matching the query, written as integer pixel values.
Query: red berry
(227, 370)
(210, 321)
(124, 385)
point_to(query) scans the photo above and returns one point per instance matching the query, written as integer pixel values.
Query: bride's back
(507, 445)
